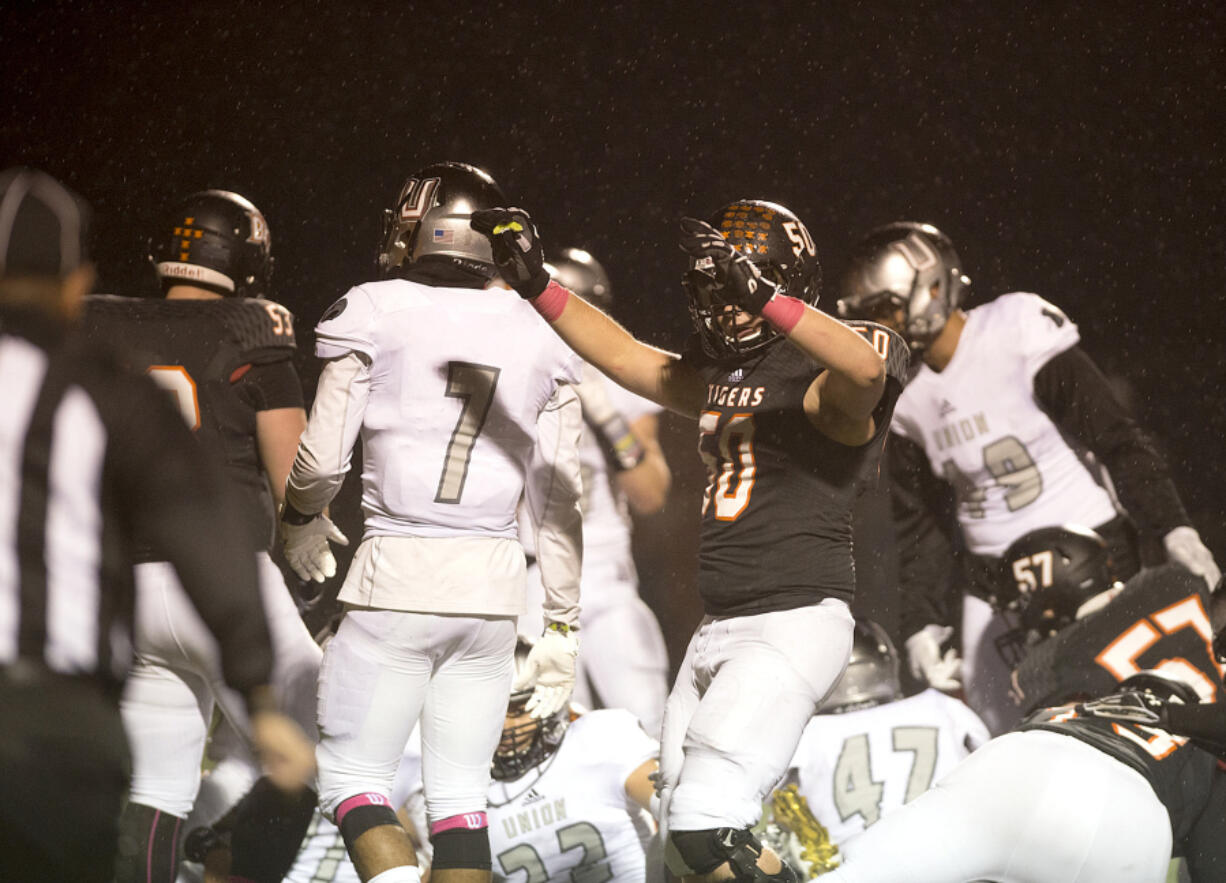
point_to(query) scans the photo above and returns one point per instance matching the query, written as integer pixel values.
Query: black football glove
(737, 280)
(517, 248)
(1137, 707)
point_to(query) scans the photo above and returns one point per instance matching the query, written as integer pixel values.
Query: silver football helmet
(871, 676)
(431, 220)
(526, 741)
(577, 270)
(909, 266)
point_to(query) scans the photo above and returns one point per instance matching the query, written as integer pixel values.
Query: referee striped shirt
(90, 458)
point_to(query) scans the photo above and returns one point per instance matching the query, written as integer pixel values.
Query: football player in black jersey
(1103, 790)
(224, 354)
(1079, 632)
(787, 432)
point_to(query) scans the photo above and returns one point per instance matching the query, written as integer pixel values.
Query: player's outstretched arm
(856, 376)
(277, 432)
(640, 368)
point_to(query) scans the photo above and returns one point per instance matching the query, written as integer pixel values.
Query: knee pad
(360, 813)
(461, 841)
(704, 851)
(148, 845)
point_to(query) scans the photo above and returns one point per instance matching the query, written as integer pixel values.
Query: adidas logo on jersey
(737, 376)
(532, 796)
(946, 408)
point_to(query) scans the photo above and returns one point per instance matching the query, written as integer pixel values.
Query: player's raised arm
(857, 374)
(650, 372)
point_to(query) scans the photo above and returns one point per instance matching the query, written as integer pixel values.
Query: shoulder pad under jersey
(258, 324)
(889, 344)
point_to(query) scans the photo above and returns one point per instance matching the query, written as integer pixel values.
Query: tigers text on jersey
(458, 378)
(1181, 774)
(776, 518)
(569, 817)
(1159, 621)
(855, 767)
(983, 432)
(201, 352)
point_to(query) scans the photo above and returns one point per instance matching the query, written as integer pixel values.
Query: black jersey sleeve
(1076, 395)
(180, 502)
(270, 385)
(923, 513)
(263, 329)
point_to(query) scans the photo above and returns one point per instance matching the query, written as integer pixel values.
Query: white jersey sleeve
(970, 728)
(348, 326)
(1039, 328)
(551, 499)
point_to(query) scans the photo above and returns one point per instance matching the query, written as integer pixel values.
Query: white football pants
(385, 669)
(744, 693)
(1029, 807)
(985, 674)
(168, 702)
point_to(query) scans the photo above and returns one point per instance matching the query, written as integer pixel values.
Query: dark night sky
(1072, 150)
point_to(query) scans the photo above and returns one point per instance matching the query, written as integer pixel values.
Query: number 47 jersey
(855, 767)
(448, 414)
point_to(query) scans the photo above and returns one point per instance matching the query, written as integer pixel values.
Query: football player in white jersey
(870, 751)
(1002, 410)
(624, 662)
(571, 794)
(450, 413)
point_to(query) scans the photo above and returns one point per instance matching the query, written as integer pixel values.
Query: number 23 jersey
(984, 433)
(458, 378)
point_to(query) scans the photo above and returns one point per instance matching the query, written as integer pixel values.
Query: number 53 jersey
(984, 433)
(855, 767)
(448, 418)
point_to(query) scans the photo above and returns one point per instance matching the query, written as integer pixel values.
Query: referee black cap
(44, 226)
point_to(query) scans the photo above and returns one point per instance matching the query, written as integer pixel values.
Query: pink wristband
(783, 312)
(550, 302)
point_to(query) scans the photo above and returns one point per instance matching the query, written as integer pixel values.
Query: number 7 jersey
(458, 378)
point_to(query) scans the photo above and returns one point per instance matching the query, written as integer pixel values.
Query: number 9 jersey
(984, 433)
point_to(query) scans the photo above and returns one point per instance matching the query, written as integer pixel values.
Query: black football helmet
(214, 239)
(904, 265)
(1046, 577)
(527, 744)
(577, 270)
(781, 248)
(431, 220)
(871, 676)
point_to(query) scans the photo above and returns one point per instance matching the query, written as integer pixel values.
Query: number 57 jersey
(853, 768)
(448, 414)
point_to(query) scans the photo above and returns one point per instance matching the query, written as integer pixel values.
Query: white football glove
(307, 550)
(1183, 546)
(550, 671)
(944, 672)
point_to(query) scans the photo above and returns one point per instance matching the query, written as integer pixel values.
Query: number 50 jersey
(458, 378)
